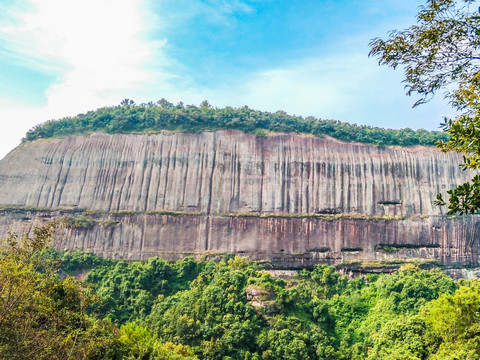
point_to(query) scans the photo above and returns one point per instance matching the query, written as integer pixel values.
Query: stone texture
(225, 185)
(226, 172)
(286, 242)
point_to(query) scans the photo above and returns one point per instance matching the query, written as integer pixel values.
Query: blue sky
(308, 57)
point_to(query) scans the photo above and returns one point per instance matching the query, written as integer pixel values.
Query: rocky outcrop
(262, 298)
(286, 242)
(294, 199)
(227, 172)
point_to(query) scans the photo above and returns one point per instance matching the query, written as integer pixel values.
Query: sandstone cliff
(275, 197)
(227, 172)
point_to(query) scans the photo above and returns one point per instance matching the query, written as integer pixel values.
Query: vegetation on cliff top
(155, 117)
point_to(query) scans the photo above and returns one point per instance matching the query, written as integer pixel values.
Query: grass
(79, 222)
(267, 215)
(390, 248)
(387, 264)
(108, 223)
(19, 209)
(326, 217)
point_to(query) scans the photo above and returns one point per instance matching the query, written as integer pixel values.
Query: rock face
(293, 199)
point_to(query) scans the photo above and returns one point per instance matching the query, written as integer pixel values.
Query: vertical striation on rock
(281, 197)
(227, 172)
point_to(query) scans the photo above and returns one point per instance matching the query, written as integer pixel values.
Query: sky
(60, 58)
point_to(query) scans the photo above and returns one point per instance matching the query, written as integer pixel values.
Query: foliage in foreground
(232, 309)
(43, 316)
(153, 118)
(441, 52)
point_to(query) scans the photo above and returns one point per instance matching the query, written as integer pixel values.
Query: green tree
(41, 315)
(443, 49)
(154, 118)
(139, 343)
(400, 339)
(44, 316)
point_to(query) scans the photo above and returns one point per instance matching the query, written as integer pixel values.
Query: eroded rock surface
(293, 199)
(225, 172)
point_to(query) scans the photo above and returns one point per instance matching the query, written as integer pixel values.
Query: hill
(153, 118)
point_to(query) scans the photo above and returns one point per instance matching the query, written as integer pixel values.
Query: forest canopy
(225, 310)
(163, 115)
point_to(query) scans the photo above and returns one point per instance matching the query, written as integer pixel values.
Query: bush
(79, 222)
(153, 118)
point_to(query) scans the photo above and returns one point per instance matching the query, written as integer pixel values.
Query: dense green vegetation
(152, 118)
(232, 309)
(46, 316)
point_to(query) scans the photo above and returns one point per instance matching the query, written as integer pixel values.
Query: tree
(127, 102)
(44, 316)
(205, 104)
(41, 315)
(164, 104)
(443, 49)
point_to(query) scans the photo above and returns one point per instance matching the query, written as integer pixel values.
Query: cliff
(285, 197)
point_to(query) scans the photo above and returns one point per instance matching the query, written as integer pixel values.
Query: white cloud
(97, 49)
(346, 86)
(97, 45)
(227, 7)
(216, 12)
(100, 53)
